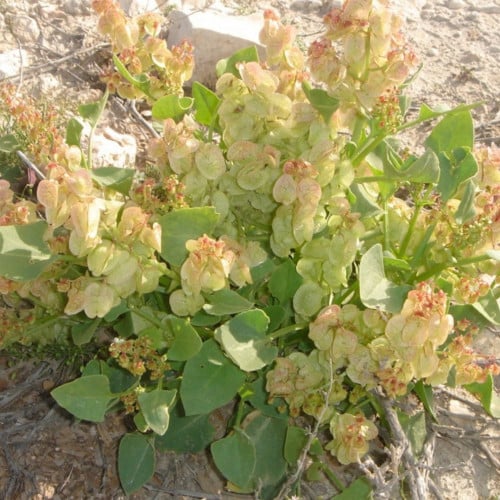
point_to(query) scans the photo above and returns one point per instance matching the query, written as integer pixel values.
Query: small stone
(11, 62)
(487, 9)
(214, 36)
(137, 7)
(46, 84)
(77, 7)
(432, 52)
(306, 5)
(24, 28)
(112, 149)
(456, 4)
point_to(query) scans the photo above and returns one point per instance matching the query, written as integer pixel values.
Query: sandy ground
(46, 454)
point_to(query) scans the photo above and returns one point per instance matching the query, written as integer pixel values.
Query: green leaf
(399, 264)
(245, 342)
(201, 318)
(325, 104)
(9, 143)
(210, 380)
(136, 461)
(426, 112)
(456, 130)
(140, 82)
(426, 396)
(115, 178)
(285, 281)
(186, 434)
(120, 380)
(187, 342)
(140, 422)
(489, 308)
(87, 398)
(268, 436)
(155, 408)
(456, 168)
(258, 398)
(225, 302)
(466, 210)
(23, 251)
(486, 393)
(235, 457)
(93, 110)
(181, 225)
(296, 439)
(82, 333)
(276, 315)
(423, 170)
(360, 489)
(74, 132)
(376, 290)
(206, 103)
(415, 430)
(171, 106)
(228, 65)
(365, 202)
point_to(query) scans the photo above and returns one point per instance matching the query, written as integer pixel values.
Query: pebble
(137, 7)
(10, 62)
(24, 28)
(488, 9)
(456, 4)
(77, 8)
(306, 5)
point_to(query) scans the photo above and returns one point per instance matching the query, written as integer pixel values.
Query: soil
(44, 452)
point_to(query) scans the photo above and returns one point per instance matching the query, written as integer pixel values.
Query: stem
(350, 289)
(103, 102)
(372, 178)
(408, 235)
(387, 243)
(441, 267)
(334, 479)
(239, 413)
(366, 149)
(147, 317)
(286, 330)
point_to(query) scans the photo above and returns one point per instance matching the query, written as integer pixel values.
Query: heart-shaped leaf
(87, 398)
(376, 290)
(210, 380)
(245, 342)
(155, 408)
(136, 461)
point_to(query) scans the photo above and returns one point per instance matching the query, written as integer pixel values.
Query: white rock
(111, 148)
(24, 28)
(456, 4)
(214, 36)
(306, 5)
(136, 7)
(46, 84)
(11, 62)
(488, 9)
(77, 7)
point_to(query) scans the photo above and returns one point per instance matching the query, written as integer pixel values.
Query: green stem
(387, 243)
(147, 317)
(373, 178)
(353, 287)
(239, 413)
(367, 148)
(334, 479)
(93, 128)
(286, 330)
(409, 232)
(441, 267)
